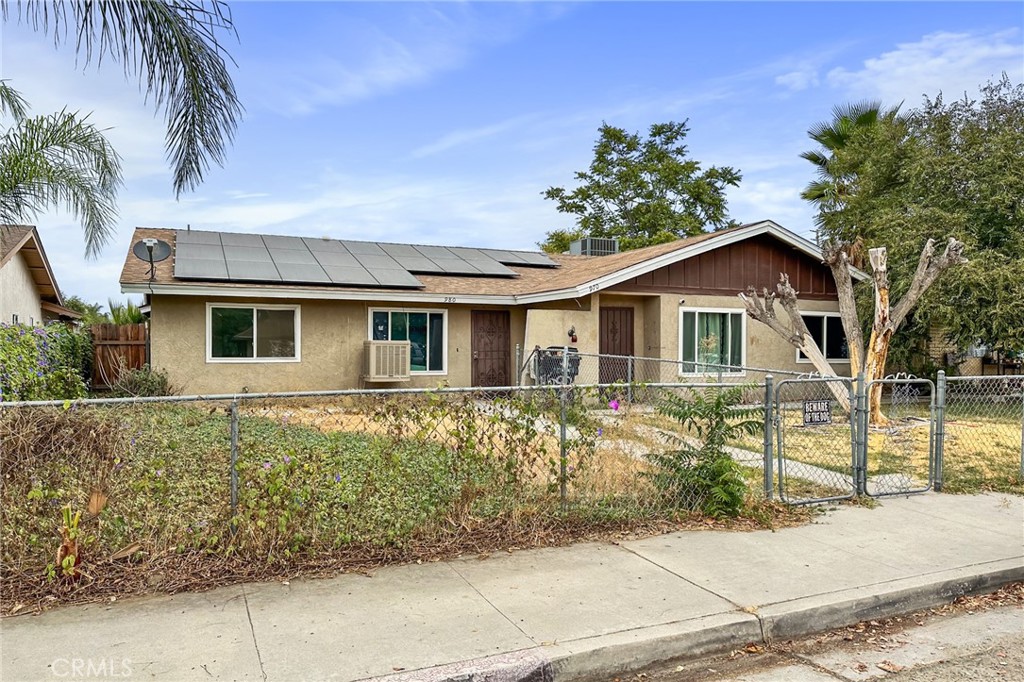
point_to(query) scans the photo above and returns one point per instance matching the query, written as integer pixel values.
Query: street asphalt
(584, 611)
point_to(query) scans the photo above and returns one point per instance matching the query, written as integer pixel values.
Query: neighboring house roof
(574, 276)
(24, 239)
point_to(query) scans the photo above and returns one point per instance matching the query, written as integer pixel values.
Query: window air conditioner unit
(386, 361)
(594, 246)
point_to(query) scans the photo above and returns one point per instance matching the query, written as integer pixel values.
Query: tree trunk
(762, 309)
(870, 360)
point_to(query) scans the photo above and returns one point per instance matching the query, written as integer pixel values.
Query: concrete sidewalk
(585, 610)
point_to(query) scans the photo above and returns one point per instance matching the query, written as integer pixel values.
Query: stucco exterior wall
(18, 293)
(331, 340)
(333, 332)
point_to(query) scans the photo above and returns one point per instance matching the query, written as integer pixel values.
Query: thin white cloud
(369, 60)
(953, 63)
(458, 138)
(798, 80)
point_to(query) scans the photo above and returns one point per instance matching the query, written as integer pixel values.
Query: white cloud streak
(953, 63)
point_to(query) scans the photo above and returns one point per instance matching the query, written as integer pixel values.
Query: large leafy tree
(57, 160)
(954, 168)
(642, 191)
(92, 313)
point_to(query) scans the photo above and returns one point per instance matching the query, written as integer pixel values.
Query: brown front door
(491, 351)
(616, 338)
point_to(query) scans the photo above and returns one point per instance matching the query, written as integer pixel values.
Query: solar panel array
(236, 257)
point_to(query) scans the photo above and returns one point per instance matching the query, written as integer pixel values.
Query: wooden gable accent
(730, 269)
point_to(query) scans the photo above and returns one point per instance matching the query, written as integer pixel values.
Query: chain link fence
(270, 477)
(816, 439)
(982, 443)
(900, 451)
(267, 477)
(565, 364)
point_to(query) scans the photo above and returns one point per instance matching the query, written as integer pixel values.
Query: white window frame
(743, 345)
(444, 340)
(297, 310)
(824, 336)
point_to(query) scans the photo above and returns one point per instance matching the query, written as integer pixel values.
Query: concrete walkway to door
(592, 610)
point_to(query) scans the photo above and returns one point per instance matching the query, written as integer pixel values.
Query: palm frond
(11, 102)
(60, 160)
(173, 48)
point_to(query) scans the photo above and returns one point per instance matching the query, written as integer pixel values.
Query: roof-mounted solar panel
(538, 259)
(377, 262)
(201, 269)
(395, 278)
(253, 271)
(201, 254)
(241, 239)
(337, 258)
(254, 253)
(303, 272)
(324, 245)
(349, 276)
(364, 248)
(293, 256)
(289, 243)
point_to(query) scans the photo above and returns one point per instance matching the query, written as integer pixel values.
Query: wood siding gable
(728, 270)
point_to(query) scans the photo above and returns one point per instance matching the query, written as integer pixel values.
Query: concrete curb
(599, 657)
(789, 620)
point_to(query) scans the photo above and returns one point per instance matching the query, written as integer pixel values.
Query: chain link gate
(816, 439)
(899, 453)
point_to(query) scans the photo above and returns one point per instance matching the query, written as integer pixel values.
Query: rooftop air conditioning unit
(594, 246)
(386, 361)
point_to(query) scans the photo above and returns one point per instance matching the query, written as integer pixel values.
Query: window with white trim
(425, 330)
(246, 333)
(710, 340)
(827, 331)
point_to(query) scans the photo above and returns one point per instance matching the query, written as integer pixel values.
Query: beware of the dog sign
(817, 412)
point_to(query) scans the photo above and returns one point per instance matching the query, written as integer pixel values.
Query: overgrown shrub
(701, 475)
(144, 381)
(44, 363)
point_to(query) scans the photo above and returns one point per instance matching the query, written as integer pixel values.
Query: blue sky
(443, 122)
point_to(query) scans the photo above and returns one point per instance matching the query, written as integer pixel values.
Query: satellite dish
(151, 250)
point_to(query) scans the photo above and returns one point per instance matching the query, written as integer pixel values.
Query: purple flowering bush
(44, 363)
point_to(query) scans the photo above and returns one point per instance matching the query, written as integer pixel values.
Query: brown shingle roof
(11, 237)
(573, 271)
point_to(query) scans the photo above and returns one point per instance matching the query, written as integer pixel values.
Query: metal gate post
(563, 456)
(629, 380)
(768, 421)
(940, 430)
(1022, 431)
(519, 365)
(234, 463)
(860, 456)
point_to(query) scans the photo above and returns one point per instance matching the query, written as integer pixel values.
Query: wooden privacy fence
(117, 348)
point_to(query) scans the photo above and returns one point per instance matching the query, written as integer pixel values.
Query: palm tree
(173, 48)
(58, 160)
(833, 187)
(125, 313)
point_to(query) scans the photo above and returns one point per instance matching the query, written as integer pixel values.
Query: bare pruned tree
(869, 359)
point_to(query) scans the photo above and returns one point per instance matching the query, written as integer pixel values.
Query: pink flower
(267, 465)
(614, 404)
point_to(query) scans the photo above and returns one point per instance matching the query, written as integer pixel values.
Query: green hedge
(44, 363)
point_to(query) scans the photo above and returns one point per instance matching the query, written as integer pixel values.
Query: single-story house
(28, 290)
(234, 312)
